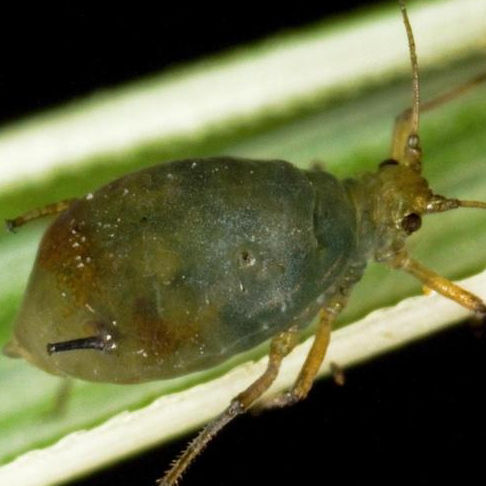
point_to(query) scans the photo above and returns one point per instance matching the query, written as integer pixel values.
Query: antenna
(415, 72)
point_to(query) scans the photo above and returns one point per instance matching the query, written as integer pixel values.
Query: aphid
(178, 267)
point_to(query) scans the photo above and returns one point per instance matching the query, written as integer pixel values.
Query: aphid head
(397, 195)
(391, 204)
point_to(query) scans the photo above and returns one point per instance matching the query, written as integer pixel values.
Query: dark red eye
(411, 223)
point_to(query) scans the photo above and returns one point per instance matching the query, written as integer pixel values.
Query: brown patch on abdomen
(162, 337)
(66, 252)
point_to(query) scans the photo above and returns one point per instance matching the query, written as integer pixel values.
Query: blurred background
(54, 54)
(406, 418)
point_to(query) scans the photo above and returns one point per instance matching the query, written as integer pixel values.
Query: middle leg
(312, 364)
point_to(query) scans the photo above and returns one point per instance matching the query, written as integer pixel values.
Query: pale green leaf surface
(350, 133)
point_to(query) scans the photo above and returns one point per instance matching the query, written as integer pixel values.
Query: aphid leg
(338, 374)
(61, 399)
(453, 93)
(318, 166)
(37, 213)
(281, 345)
(311, 366)
(440, 284)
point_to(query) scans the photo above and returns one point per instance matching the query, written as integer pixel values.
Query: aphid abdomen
(184, 265)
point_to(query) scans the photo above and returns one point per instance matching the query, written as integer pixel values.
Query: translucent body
(185, 264)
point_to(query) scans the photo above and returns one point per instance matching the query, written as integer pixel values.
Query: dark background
(413, 417)
(50, 55)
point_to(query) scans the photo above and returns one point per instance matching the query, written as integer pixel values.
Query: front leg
(438, 283)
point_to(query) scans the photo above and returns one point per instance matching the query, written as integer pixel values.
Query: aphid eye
(387, 162)
(411, 223)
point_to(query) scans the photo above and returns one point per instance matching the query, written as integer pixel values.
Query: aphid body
(178, 267)
(185, 264)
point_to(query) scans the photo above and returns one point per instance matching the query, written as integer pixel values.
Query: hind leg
(280, 347)
(37, 213)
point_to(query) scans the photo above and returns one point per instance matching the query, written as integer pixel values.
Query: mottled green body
(186, 264)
